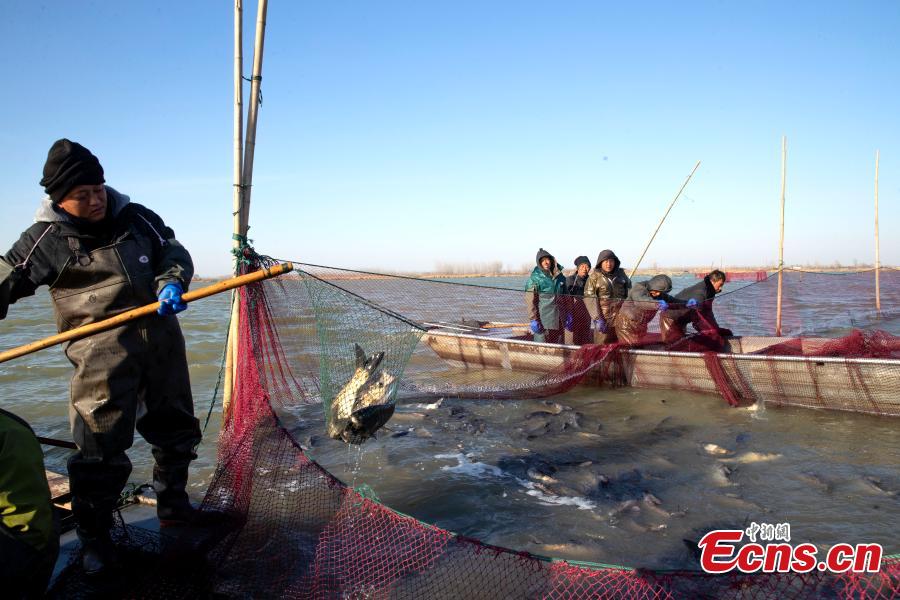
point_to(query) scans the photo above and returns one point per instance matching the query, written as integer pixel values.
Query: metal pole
(781, 241)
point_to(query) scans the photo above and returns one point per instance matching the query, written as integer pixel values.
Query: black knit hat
(69, 164)
(583, 260)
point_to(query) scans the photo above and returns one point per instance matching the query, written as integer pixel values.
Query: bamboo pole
(238, 197)
(877, 249)
(252, 114)
(781, 240)
(247, 181)
(674, 200)
(143, 311)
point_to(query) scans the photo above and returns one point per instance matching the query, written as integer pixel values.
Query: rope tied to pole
(252, 79)
(244, 253)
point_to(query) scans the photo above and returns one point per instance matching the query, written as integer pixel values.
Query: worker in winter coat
(697, 311)
(102, 255)
(644, 300)
(606, 288)
(29, 538)
(578, 319)
(543, 299)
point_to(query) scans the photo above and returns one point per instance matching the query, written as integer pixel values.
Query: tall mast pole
(877, 249)
(252, 114)
(237, 200)
(238, 122)
(781, 241)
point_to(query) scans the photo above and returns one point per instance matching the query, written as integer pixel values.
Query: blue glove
(170, 302)
(663, 305)
(692, 303)
(570, 321)
(536, 327)
(600, 324)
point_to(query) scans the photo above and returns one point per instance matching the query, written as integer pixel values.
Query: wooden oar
(143, 311)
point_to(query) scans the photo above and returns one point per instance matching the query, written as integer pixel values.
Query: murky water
(615, 476)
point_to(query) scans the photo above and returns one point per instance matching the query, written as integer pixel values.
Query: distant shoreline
(642, 272)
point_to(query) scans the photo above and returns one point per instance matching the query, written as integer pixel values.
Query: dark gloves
(570, 322)
(170, 302)
(725, 332)
(536, 327)
(600, 325)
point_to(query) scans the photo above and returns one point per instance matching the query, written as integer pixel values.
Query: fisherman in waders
(102, 255)
(29, 539)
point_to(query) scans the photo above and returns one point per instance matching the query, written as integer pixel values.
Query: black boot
(173, 507)
(94, 521)
(98, 552)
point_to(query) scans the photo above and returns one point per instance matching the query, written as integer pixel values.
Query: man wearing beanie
(578, 320)
(102, 255)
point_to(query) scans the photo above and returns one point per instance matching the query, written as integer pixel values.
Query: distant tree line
(494, 267)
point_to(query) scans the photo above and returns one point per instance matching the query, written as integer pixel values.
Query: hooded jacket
(46, 248)
(542, 291)
(640, 308)
(604, 292)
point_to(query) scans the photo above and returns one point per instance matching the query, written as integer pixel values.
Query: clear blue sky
(399, 135)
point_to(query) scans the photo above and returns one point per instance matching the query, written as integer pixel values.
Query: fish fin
(373, 362)
(360, 356)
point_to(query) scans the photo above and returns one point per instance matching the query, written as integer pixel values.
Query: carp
(365, 402)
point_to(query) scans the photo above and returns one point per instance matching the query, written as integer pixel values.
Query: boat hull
(857, 385)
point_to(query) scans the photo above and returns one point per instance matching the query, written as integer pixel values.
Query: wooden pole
(238, 197)
(781, 240)
(877, 249)
(246, 183)
(143, 311)
(252, 114)
(674, 200)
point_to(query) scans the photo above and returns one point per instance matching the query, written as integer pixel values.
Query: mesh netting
(297, 531)
(477, 343)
